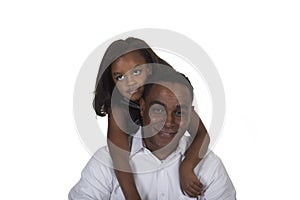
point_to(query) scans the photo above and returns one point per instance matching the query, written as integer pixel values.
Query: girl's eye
(136, 72)
(120, 77)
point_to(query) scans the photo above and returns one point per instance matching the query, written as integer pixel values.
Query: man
(157, 150)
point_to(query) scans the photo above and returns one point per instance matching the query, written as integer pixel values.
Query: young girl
(126, 64)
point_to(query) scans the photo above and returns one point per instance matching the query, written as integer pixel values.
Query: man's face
(166, 114)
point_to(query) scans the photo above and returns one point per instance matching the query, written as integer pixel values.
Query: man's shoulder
(210, 156)
(210, 161)
(211, 167)
(100, 158)
(102, 154)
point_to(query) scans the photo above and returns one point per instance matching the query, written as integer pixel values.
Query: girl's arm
(119, 149)
(189, 181)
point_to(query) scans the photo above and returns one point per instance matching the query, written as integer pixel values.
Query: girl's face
(129, 73)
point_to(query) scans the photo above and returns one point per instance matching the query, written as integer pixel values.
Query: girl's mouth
(132, 91)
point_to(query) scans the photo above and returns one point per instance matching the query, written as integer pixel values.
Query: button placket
(162, 184)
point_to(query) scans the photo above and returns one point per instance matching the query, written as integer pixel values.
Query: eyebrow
(136, 66)
(156, 102)
(185, 107)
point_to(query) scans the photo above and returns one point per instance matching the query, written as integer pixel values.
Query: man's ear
(142, 107)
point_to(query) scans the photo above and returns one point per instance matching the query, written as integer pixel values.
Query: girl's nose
(130, 79)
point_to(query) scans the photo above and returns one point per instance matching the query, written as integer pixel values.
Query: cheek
(157, 121)
(142, 78)
(120, 87)
(183, 123)
(122, 90)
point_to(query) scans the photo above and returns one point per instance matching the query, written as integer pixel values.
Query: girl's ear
(142, 107)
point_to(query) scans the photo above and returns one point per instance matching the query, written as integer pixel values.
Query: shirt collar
(137, 142)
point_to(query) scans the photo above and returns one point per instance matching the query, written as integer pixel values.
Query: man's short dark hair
(167, 74)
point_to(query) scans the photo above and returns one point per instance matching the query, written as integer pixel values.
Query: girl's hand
(189, 182)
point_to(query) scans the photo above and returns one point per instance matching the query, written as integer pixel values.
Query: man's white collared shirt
(154, 178)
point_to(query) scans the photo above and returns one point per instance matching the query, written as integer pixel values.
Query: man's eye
(158, 110)
(136, 72)
(180, 113)
(120, 77)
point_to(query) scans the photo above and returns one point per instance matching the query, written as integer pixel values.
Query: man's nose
(169, 120)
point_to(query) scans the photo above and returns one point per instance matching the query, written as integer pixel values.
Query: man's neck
(164, 152)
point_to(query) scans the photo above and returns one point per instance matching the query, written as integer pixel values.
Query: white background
(255, 46)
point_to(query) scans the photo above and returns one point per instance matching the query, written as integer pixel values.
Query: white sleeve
(217, 184)
(95, 183)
